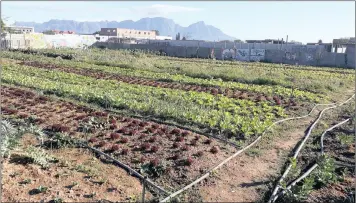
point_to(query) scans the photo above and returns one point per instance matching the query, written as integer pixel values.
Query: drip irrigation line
(277, 187)
(128, 168)
(326, 131)
(240, 151)
(297, 180)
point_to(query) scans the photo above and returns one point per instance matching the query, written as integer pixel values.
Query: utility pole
(287, 40)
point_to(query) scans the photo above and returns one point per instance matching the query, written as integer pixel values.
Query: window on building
(108, 30)
(144, 33)
(139, 32)
(114, 30)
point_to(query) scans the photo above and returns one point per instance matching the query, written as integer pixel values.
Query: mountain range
(166, 27)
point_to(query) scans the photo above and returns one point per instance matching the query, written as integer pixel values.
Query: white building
(20, 29)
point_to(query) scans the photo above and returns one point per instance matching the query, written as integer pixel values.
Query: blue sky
(302, 21)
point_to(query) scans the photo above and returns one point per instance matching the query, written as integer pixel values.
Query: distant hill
(197, 31)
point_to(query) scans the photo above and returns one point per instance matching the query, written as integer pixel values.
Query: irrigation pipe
(131, 171)
(274, 193)
(239, 152)
(315, 165)
(297, 180)
(326, 131)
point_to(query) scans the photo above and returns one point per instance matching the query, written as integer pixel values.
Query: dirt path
(244, 178)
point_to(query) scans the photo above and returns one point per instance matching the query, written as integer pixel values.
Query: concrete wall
(41, 41)
(350, 52)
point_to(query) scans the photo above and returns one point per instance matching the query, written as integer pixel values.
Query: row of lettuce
(270, 90)
(312, 79)
(239, 117)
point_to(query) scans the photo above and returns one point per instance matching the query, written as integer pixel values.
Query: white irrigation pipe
(329, 129)
(239, 152)
(127, 168)
(274, 193)
(296, 181)
(315, 165)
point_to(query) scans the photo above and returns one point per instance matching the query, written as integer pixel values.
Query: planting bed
(178, 156)
(232, 93)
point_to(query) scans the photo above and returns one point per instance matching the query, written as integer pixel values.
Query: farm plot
(171, 156)
(236, 101)
(313, 79)
(236, 118)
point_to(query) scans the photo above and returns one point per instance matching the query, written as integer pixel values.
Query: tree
(97, 32)
(184, 38)
(157, 32)
(48, 32)
(178, 36)
(320, 41)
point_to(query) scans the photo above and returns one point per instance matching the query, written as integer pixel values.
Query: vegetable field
(167, 119)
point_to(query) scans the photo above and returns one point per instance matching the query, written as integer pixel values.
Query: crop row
(239, 117)
(147, 82)
(268, 90)
(304, 78)
(135, 142)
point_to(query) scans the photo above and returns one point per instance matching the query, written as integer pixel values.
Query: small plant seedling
(26, 181)
(154, 149)
(152, 139)
(179, 139)
(42, 189)
(185, 148)
(214, 150)
(114, 136)
(188, 161)
(176, 145)
(115, 147)
(93, 140)
(124, 140)
(125, 151)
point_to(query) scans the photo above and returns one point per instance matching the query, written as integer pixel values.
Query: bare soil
(107, 182)
(246, 178)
